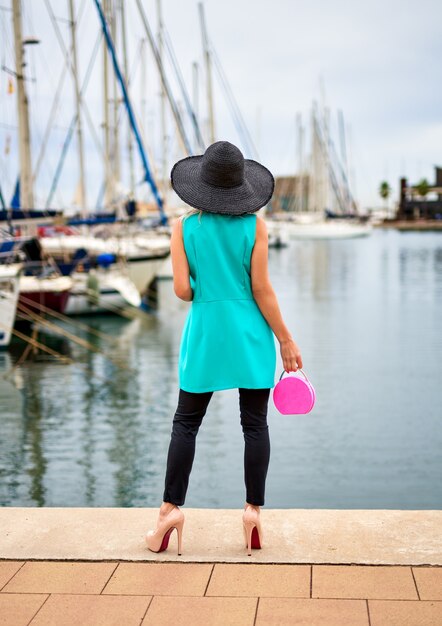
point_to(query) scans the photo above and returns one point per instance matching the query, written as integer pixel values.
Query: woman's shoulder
(261, 232)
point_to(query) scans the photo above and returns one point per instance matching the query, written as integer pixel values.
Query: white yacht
(314, 226)
(144, 254)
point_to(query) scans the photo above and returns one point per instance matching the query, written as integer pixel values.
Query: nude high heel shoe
(157, 540)
(253, 534)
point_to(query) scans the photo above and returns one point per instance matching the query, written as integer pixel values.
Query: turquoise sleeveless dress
(226, 342)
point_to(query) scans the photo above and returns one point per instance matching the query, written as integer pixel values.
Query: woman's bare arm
(180, 265)
(267, 302)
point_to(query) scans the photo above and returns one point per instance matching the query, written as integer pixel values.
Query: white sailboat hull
(50, 291)
(112, 292)
(143, 271)
(324, 229)
(143, 255)
(165, 272)
(9, 292)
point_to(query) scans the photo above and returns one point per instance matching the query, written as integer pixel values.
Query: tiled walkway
(55, 593)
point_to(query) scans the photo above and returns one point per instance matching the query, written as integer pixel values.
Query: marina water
(367, 315)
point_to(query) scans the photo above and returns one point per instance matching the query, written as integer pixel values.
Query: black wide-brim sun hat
(222, 181)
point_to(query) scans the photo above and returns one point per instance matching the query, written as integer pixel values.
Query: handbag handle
(298, 370)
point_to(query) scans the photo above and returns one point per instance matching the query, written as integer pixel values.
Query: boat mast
(82, 197)
(130, 112)
(323, 127)
(176, 114)
(312, 191)
(160, 38)
(343, 147)
(108, 186)
(26, 191)
(327, 203)
(116, 134)
(195, 90)
(299, 186)
(207, 59)
(143, 85)
(130, 148)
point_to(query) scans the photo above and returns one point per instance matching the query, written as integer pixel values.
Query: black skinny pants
(192, 407)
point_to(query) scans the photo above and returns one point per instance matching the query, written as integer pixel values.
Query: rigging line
(130, 112)
(36, 344)
(9, 42)
(176, 113)
(49, 125)
(66, 52)
(143, 126)
(120, 117)
(129, 80)
(134, 67)
(60, 163)
(68, 320)
(236, 118)
(33, 343)
(83, 104)
(130, 313)
(46, 134)
(65, 333)
(332, 161)
(6, 375)
(341, 170)
(179, 75)
(229, 91)
(56, 101)
(71, 128)
(331, 171)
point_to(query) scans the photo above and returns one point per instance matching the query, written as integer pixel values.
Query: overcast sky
(379, 62)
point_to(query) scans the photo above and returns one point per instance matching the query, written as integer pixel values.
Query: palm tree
(384, 192)
(423, 187)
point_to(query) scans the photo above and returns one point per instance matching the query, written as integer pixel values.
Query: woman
(219, 258)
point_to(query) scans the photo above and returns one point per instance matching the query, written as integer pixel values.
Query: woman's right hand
(291, 355)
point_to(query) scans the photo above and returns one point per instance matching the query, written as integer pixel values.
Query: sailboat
(143, 254)
(328, 185)
(316, 227)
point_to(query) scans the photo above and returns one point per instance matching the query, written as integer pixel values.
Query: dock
(316, 567)
(412, 225)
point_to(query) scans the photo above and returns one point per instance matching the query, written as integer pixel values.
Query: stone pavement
(43, 593)
(364, 537)
(90, 567)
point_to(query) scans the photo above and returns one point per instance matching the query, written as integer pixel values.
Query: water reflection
(367, 316)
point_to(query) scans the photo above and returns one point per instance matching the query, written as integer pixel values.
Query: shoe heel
(248, 529)
(179, 529)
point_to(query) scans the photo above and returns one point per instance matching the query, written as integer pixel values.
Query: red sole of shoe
(255, 538)
(165, 542)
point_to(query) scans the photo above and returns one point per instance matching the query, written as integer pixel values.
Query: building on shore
(421, 202)
(291, 194)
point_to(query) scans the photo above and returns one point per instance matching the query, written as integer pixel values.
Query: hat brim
(250, 196)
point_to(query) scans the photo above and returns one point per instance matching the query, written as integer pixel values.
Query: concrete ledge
(377, 537)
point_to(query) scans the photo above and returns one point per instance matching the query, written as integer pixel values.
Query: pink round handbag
(293, 395)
